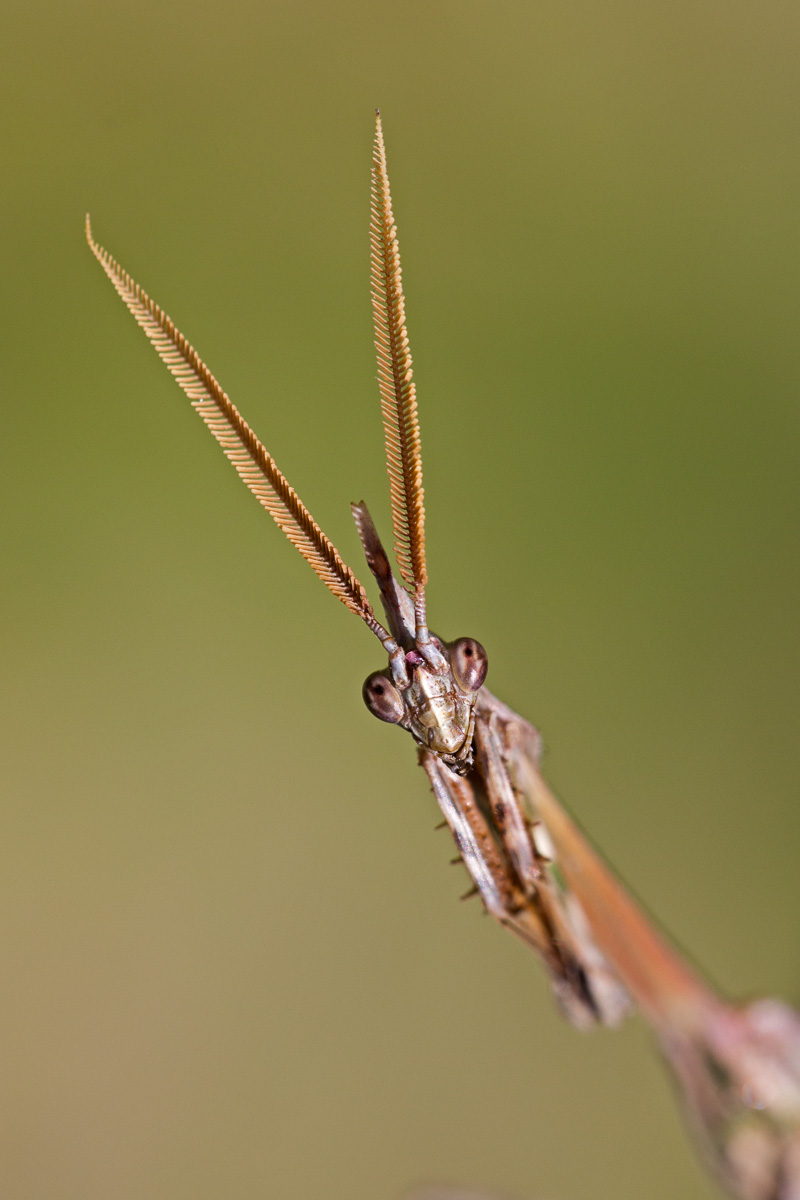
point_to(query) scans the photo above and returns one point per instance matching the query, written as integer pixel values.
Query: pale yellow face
(439, 713)
(436, 706)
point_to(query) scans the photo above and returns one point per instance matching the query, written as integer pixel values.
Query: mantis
(534, 871)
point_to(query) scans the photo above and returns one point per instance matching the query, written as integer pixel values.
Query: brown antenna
(250, 458)
(398, 392)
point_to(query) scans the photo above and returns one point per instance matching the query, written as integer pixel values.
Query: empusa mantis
(533, 869)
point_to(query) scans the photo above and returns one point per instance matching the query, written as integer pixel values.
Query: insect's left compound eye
(382, 698)
(469, 664)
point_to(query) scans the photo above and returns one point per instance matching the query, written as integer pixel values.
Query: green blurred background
(233, 960)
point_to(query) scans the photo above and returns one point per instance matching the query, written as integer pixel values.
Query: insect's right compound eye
(382, 698)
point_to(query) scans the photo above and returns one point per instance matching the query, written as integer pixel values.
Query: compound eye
(469, 664)
(382, 698)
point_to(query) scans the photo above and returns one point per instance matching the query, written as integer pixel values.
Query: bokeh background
(233, 960)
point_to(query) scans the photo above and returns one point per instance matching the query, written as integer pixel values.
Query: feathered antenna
(250, 458)
(398, 393)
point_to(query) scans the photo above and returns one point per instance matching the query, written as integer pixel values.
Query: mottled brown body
(472, 747)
